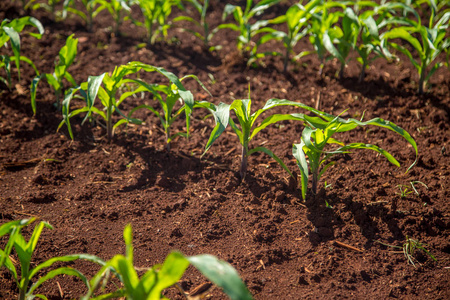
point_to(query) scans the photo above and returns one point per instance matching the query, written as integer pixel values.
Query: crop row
(313, 153)
(335, 28)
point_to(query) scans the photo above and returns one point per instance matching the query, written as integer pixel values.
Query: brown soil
(282, 247)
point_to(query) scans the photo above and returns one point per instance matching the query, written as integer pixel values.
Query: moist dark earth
(88, 189)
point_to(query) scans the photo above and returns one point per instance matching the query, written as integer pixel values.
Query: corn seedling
(318, 134)
(9, 32)
(403, 190)
(246, 29)
(156, 14)
(370, 40)
(207, 33)
(63, 62)
(92, 89)
(296, 19)
(248, 128)
(168, 96)
(339, 41)
(25, 250)
(428, 41)
(323, 22)
(372, 21)
(159, 277)
(409, 248)
(117, 9)
(91, 10)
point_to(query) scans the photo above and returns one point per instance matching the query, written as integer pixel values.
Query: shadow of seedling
(322, 216)
(162, 169)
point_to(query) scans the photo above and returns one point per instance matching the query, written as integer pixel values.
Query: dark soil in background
(282, 247)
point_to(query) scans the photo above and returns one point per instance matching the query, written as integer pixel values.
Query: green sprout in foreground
(25, 250)
(149, 286)
(159, 277)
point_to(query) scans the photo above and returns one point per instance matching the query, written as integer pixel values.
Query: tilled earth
(282, 247)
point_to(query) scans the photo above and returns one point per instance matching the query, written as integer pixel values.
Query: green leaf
(60, 271)
(171, 271)
(299, 154)
(66, 258)
(68, 51)
(328, 44)
(36, 234)
(6, 261)
(9, 226)
(274, 119)
(33, 89)
(221, 115)
(15, 44)
(271, 154)
(369, 147)
(402, 33)
(128, 238)
(222, 274)
(94, 83)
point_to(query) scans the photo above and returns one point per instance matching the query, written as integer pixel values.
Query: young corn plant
(159, 277)
(91, 10)
(246, 29)
(207, 33)
(247, 122)
(296, 19)
(90, 90)
(24, 251)
(107, 94)
(168, 96)
(156, 14)
(63, 62)
(370, 47)
(372, 21)
(117, 9)
(340, 41)
(10, 32)
(323, 22)
(319, 132)
(428, 41)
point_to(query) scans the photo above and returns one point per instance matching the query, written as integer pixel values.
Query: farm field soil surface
(283, 248)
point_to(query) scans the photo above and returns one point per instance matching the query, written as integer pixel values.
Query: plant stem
(341, 71)
(286, 59)
(167, 139)
(244, 159)
(363, 73)
(58, 102)
(109, 120)
(23, 288)
(89, 21)
(315, 178)
(321, 67)
(422, 81)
